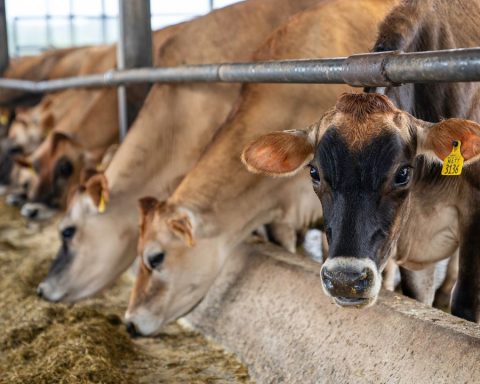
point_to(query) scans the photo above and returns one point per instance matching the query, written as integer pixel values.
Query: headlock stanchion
(363, 70)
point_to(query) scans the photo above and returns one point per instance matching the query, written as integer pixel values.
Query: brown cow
(423, 26)
(185, 240)
(172, 130)
(378, 197)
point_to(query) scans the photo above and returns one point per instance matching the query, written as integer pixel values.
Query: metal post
(48, 26)
(4, 58)
(134, 50)
(71, 22)
(104, 23)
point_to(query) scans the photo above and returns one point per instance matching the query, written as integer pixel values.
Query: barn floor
(42, 342)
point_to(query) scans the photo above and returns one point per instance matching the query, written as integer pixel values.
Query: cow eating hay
(42, 342)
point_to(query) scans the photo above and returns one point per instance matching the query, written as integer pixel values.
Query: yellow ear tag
(4, 119)
(453, 163)
(101, 204)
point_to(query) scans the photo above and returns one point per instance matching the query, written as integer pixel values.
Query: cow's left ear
(279, 153)
(439, 138)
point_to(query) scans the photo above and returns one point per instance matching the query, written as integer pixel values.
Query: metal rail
(373, 69)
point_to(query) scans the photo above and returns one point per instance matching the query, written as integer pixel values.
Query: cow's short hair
(360, 106)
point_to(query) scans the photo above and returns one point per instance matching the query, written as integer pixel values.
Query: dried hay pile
(42, 342)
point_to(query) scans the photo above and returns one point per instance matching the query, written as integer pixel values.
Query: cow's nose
(32, 213)
(131, 329)
(40, 292)
(345, 281)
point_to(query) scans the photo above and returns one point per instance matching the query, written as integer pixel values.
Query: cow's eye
(403, 176)
(64, 168)
(154, 260)
(314, 173)
(68, 233)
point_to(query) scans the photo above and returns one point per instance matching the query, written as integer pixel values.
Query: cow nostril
(33, 213)
(363, 275)
(327, 278)
(326, 274)
(40, 292)
(131, 329)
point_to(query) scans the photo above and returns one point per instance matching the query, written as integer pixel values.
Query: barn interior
(143, 238)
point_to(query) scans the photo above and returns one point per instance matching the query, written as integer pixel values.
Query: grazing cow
(366, 168)
(69, 146)
(186, 239)
(172, 130)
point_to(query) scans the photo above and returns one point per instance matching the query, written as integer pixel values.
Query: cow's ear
(439, 138)
(47, 122)
(182, 227)
(23, 162)
(86, 174)
(57, 138)
(279, 153)
(97, 189)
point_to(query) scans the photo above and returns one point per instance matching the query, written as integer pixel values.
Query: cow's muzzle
(351, 282)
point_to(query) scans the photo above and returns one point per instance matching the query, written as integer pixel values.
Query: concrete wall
(269, 308)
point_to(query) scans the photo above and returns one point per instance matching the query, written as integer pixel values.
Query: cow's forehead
(360, 118)
(358, 134)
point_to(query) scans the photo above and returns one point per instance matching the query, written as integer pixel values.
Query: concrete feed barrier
(268, 307)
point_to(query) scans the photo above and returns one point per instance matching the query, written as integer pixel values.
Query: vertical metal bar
(134, 48)
(211, 5)
(104, 23)
(48, 26)
(71, 18)
(4, 57)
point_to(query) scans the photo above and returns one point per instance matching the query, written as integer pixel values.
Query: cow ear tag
(453, 163)
(4, 119)
(101, 204)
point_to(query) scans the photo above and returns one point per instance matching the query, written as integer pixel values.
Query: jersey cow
(186, 239)
(364, 164)
(172, 130)
(427, 25)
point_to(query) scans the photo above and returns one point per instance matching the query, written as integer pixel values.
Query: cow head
(177, 265)
(95, 244)
(364, 162)
(58, 168)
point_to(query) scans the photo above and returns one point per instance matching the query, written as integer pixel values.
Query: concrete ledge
(268, 307)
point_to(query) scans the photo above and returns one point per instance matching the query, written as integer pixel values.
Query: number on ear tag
(453, 163)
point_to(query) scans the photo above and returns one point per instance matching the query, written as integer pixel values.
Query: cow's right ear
(97, 189)
(23, 162)
(279, 153)
(47, 122)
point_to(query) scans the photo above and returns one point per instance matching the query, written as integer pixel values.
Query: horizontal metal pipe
(373, 69)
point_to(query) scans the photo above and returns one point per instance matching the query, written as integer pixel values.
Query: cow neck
(169, 109)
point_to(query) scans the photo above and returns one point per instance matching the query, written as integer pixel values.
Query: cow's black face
(363, 191)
